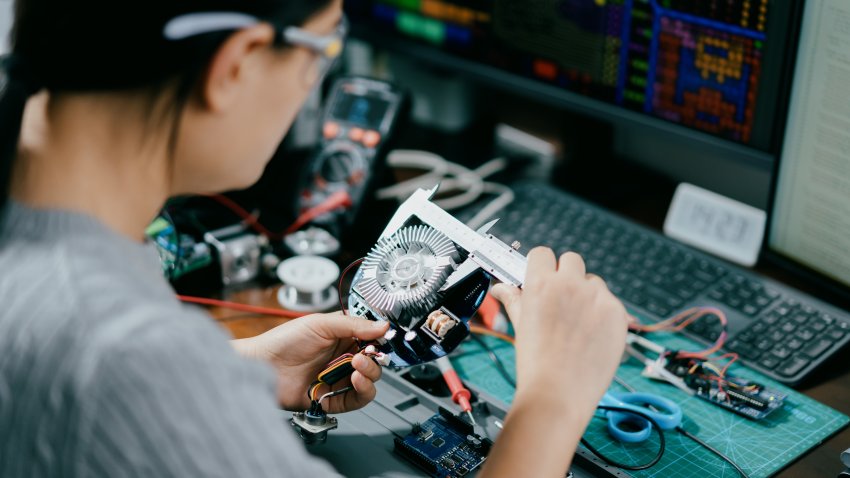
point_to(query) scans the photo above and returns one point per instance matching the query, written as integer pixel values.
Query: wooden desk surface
(831, 386)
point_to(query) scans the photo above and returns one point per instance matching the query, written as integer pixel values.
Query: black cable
(500, 366)
(690, 435)
(662, 443)
(335, 394)
(712, 449)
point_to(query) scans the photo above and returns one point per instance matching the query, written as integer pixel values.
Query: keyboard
(775, 329)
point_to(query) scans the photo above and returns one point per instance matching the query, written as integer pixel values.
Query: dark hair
(112, 45)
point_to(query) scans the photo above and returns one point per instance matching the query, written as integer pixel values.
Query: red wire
(341, 278)
(338, 200)
(250, 219)
(289, 314)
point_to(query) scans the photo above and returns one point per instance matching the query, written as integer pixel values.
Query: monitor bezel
(820, 284)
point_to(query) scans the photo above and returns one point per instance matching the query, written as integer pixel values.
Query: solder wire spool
(403, 273)
(308, 284)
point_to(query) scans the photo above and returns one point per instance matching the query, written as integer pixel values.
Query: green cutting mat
(759, 448)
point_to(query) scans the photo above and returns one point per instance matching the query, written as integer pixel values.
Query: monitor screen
(711, 66)
(810, 223)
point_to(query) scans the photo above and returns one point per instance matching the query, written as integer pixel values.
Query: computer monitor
(706, 76)
(810, 220)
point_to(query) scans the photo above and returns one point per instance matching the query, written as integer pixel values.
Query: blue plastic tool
(632, 427)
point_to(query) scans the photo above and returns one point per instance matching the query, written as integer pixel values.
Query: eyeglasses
(327, 48)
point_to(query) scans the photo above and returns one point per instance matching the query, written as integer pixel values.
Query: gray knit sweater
(104, 373)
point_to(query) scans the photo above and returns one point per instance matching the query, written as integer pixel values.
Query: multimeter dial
(340, 164)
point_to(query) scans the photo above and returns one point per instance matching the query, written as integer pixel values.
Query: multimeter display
(365, 111)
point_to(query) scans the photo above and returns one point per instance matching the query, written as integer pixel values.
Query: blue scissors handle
(633, 427)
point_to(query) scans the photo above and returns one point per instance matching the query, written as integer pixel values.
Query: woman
(108, 109)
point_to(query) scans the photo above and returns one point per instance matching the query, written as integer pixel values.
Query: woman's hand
(570, 331)
(570, 335)
(300, 349)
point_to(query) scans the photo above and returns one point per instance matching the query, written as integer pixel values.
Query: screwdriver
(460, 395)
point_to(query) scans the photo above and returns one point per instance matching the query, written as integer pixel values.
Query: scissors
(633, 427)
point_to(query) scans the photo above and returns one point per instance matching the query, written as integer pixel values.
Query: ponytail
(16, 88)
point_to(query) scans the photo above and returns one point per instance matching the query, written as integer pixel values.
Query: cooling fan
(427, 276)
(403, 274)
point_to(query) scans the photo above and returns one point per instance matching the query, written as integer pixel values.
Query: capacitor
(395, 339)
(416, 343)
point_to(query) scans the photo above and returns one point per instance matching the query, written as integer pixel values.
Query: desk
(831, 385)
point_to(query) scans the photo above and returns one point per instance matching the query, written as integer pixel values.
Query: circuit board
(747, 398)
(444, 446)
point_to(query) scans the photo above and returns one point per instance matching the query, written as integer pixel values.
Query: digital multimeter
(360, 117)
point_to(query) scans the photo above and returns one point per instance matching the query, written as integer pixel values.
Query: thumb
(510, 297)
(337, 326)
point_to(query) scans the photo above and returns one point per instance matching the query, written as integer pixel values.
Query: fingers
(541, 260)
(364, 390)
(367, 367)
(338, 326)
(596, 280)
(366, 373)
(572, 264)
(510, 297)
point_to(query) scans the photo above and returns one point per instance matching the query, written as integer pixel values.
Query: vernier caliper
(486, 252)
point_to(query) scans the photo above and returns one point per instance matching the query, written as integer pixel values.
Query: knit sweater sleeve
(175, 400)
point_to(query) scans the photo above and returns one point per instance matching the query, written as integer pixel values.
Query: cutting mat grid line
(760, 448)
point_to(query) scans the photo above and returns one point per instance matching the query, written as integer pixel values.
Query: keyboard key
(746, 336)
(805, 334)
(657, 309)
(788, 327)
(703, 276)
(793, 366)
(817, 348)
(769, 362)
(836, 334)
(781, 351)
(764, 344)
(818, 325)
(745, 350)
(762, 301)
(794, 343)
(776, 335)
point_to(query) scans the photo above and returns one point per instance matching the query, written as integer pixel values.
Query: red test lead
(460, 394)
